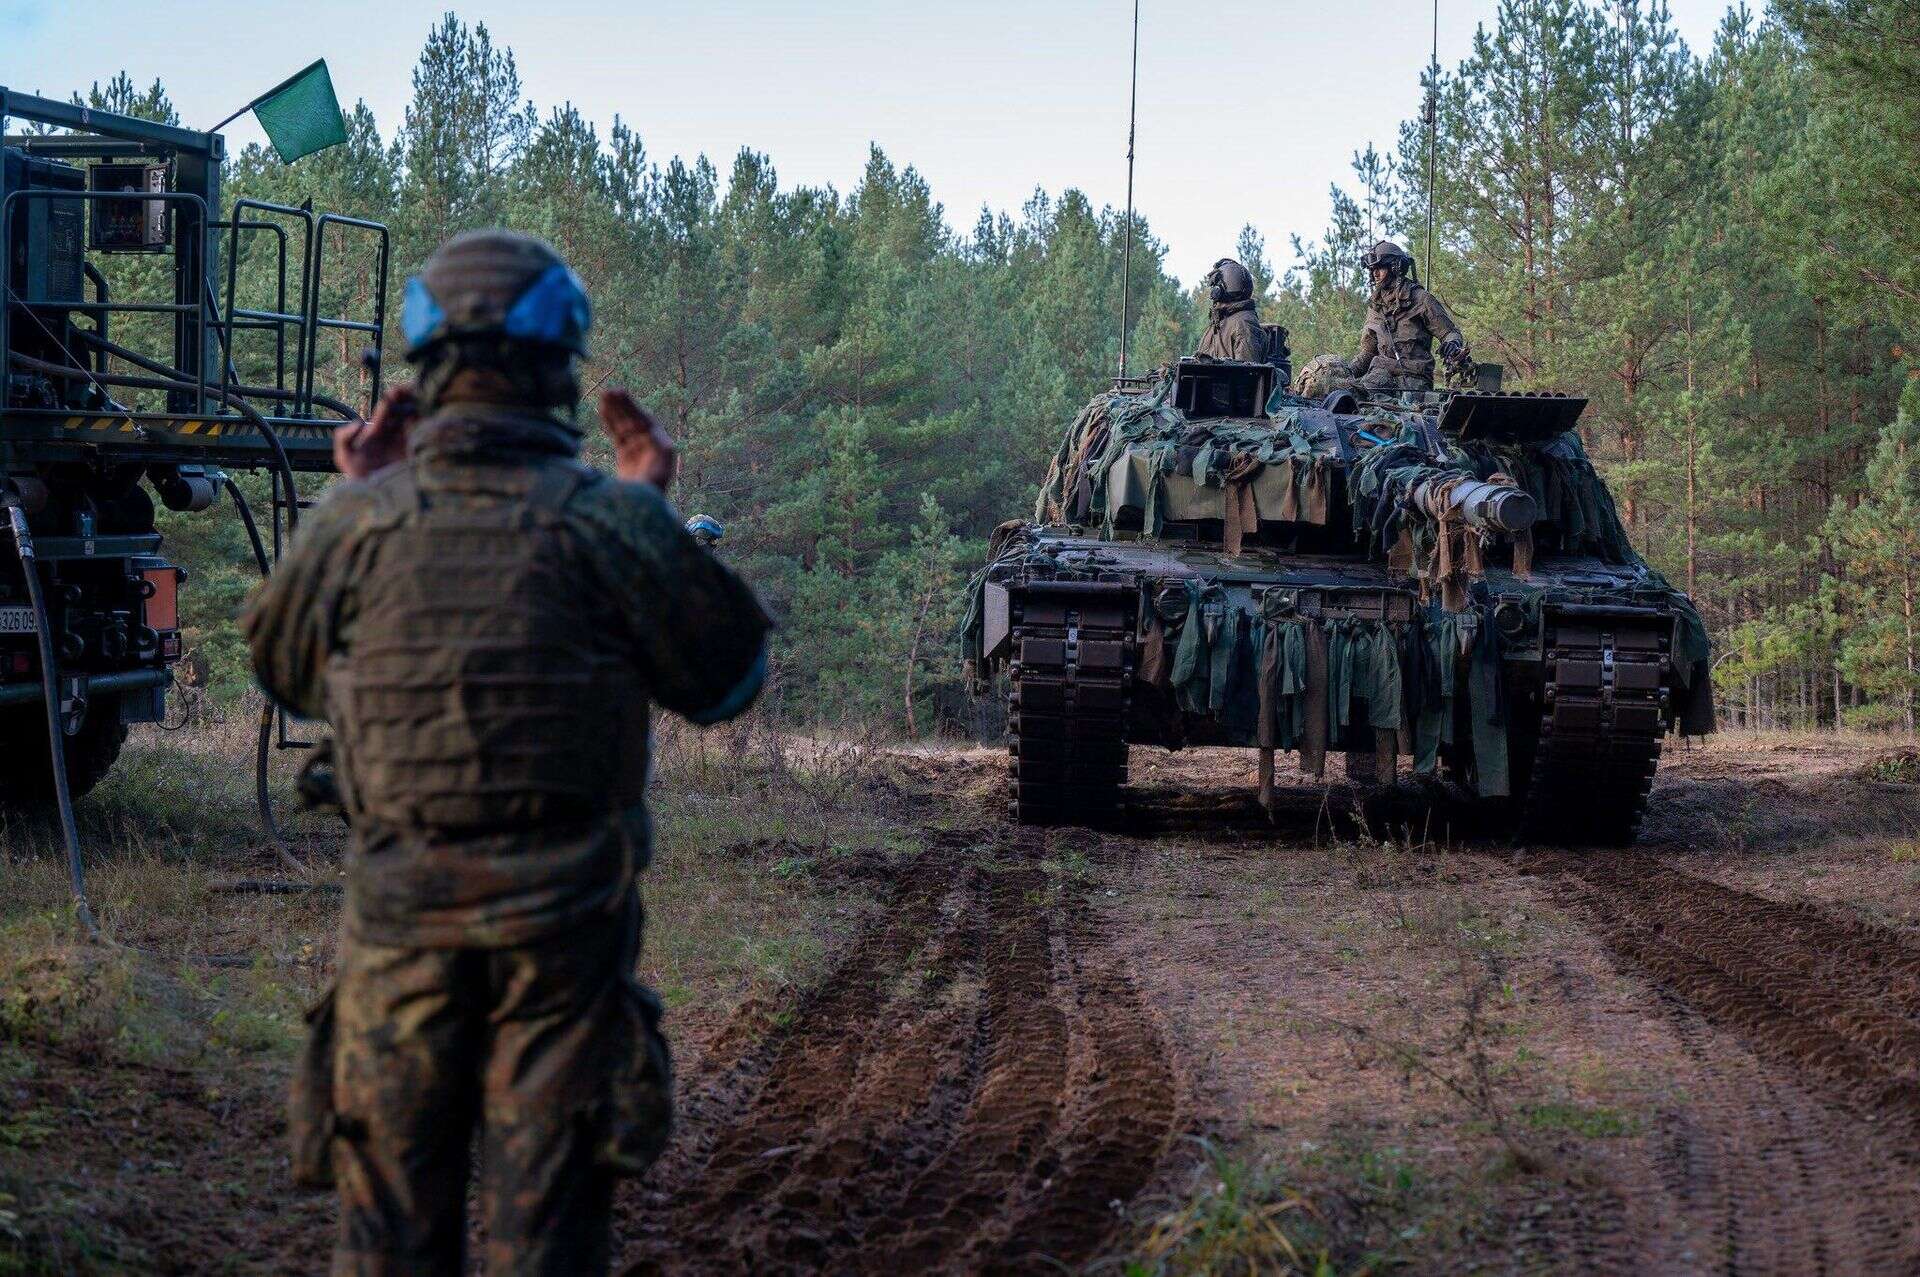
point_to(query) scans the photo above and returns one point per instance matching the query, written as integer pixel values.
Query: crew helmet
(1228, 281)
(495, 284)
(1389, 254)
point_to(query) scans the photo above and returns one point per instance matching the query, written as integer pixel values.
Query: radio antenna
(1126, 267)
(1432, 112)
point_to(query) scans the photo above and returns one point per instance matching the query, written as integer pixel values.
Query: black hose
(261, 797)
(56, 732)
(253, 529)
(57, 747)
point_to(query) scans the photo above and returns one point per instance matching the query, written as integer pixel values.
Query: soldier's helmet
(1324, 375)
(1389, 254)
(1228, 281)
(496, 284)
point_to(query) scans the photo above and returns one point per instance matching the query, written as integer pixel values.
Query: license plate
(17, 620)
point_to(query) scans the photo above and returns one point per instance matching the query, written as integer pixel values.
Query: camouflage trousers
(550, 1051)
(1397, 374)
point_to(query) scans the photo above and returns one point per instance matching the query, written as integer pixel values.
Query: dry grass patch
(110, 1053)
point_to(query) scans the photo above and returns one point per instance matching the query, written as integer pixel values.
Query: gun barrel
(1499, 507)
(1496, 505)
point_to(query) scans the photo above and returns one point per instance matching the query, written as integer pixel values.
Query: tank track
(1071, 680)
(1603, 716)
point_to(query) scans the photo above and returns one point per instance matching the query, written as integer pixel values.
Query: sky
(1248, 111)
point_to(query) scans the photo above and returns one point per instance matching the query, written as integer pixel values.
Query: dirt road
(1018, 1050)
(1696, 1057)
(976, 1085)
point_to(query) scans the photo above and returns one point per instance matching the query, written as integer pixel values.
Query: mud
(1000, 1065)
(1801, 1156)
(975, 1086)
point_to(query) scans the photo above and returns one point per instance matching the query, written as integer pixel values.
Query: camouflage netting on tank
(1244, 661)
(1419, 688)
(1428, 540)
(1133, 455)
(1295, 683)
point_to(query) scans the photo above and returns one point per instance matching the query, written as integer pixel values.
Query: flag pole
(1126, 268)
(300, 74)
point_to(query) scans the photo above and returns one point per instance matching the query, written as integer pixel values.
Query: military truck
(111, 401)
(1440, 578)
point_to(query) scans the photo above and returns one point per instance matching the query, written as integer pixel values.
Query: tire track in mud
(1800, 1157)
(971, 1088)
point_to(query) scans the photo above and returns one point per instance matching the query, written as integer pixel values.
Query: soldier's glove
(362, 448)
(1461, 370)
(642, 451)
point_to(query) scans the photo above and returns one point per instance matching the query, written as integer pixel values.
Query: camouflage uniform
(1403, 321)
(485, 626)
(1234, 331)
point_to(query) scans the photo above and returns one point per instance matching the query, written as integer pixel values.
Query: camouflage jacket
(1402, 327)
(486, 627)
(1235, 333)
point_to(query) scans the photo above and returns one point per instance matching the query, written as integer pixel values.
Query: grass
(1589, 1121)
(1349, 1205)
(744, 896)
(1900, 768)
(1239, 1218)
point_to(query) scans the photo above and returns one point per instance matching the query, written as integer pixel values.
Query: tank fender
(996, 631)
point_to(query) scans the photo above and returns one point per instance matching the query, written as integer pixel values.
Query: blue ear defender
(553, 310)
(421, 319)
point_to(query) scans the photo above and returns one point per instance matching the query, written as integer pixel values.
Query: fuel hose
(56, 731)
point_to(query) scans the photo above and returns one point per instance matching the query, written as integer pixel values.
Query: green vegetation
(1240, 1219)
(862, 391)
(1594, 1122)
(1351, 1206)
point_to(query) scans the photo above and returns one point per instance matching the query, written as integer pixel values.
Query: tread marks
(1812, 1173)
(968, 1090)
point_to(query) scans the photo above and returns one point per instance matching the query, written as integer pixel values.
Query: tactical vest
(1401, 335)
(483, 686)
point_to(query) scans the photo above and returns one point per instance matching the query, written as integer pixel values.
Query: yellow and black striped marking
(127, 425)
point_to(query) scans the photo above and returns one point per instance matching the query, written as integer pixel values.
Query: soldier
(1235, 331)
(1403, 319)
(485, 622)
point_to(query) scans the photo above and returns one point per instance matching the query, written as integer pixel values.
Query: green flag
(301, 115)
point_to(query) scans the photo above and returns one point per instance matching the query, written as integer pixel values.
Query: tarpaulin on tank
(1132, 457)
(1312, 684)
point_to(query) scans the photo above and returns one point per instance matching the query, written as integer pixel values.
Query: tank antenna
(1126, 267)
(1431, 110)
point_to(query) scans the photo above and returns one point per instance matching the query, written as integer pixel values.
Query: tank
(1435, 585)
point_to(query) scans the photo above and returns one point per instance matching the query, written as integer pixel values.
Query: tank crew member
(1234, 332)
(1403, 321)
(486, 622)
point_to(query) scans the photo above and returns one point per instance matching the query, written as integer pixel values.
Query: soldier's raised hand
(642, 451)
(361, 448)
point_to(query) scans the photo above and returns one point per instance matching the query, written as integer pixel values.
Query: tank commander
(486, 622)
(1403, 322)
(1235, 330)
